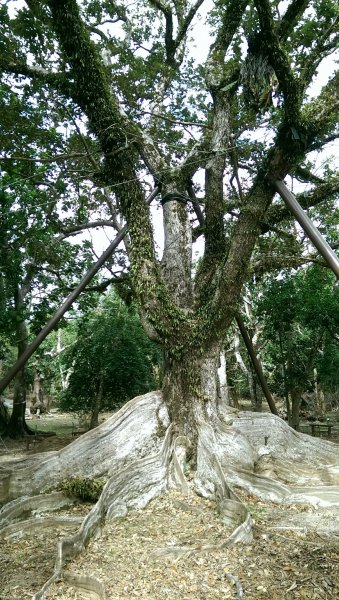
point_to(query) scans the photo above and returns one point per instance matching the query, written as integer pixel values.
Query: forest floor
(135, 557)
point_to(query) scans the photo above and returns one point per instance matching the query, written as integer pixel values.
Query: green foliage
(83, 488)
(111, 357)
(300, 318)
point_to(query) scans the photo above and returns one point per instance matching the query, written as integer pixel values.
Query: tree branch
(93, 93)
(293, 12)
(174, 121)
(75, 229)
(57, 80)
(304, 174)
(321, 143)
(187, 21)
(231, 19)
(321, 49)
(279, 60)
(321, 113)
(321, 193)
(55, 158)
(169, 41)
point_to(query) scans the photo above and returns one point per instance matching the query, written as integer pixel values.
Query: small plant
(83, 488)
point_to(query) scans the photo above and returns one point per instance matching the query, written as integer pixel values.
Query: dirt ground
(137, 556)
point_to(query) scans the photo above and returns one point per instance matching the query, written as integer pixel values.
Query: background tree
(111, 361)
(299, 313)
(44, 204)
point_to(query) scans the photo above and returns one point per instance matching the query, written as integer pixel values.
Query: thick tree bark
(177, 256)
(190, 391)
(223, 392)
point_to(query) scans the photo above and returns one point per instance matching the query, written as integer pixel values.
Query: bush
(84, 488)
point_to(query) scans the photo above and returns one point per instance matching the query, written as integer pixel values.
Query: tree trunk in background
(296, 401)
(17, 425)
(37, 404)
(246, 370)
(4, 416)
(293, 410)
(319, 395)
(284, 374)
(97, 405)
(258, 396)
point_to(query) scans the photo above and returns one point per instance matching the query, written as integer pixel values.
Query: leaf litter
(295, 565)
(277, 565)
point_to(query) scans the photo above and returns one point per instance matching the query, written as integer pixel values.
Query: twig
(237, 584)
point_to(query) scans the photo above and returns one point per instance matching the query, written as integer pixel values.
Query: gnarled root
(250, 453)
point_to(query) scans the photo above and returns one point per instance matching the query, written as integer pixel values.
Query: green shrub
(83, 488)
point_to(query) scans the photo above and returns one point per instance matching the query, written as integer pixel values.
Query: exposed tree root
(17, 530)
(132, 487)
(32, 505)
(237, 584)
(93, 589)
(130, 434)
(127, 449)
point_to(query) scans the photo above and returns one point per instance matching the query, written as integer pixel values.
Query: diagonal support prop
(256, 363)
(309, 228)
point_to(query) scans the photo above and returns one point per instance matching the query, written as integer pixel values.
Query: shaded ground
(65, 426)
(27, 562)
(273, 567)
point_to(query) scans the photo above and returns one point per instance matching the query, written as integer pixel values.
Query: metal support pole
(256, 363)
(311, 231)
(11, 373)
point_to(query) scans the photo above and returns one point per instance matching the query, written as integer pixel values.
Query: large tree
(131, 86)
(213, 135)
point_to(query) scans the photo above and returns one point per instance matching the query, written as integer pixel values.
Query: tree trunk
(319, 395)
(4, 416)
(97, 405)
(287, 371)
(223, 394)
(37, 404)
(190, 389)
(258, 397)
(17, 426)
(296, 400)
(246, 370)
